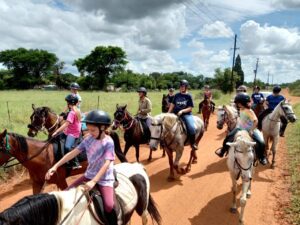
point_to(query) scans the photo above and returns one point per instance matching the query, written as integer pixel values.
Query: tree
(28, 66)
(127, 79)
(223, 79)
(101, 63)
(238, 69)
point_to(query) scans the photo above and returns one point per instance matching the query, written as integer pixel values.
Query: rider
(272, 101)
(207, 94)
(257, 97)
(74, 90)
(71, 128)
(170, 96)
(144, 110)
(247, 121)
(182, 106)
(99, 148)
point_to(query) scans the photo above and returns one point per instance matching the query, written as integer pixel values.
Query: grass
(293, 144)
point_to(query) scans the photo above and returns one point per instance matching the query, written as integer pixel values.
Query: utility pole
(268, 81)
(255, 71)
(233, 58)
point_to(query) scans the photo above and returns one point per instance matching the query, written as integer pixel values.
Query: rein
(239, 165)
(126, 126)
(6, 150)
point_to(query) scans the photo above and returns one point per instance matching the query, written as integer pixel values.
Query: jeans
(260, 143)
(189, 123)
(70, 141)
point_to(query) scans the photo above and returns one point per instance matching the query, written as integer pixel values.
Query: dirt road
(203, 196)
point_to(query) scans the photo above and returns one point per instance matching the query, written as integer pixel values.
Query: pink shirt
(74, 127)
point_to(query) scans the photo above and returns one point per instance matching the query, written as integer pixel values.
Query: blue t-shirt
(274, 101)
(257, 97)
(182, 101)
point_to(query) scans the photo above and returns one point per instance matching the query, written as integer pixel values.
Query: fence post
(98, 102)
(8, 112)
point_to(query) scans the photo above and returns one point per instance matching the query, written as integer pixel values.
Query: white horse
(227, 114)
(271, 126)
(240, 164)
(75, 206)
(166, 128)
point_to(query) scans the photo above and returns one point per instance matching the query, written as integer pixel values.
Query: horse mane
(169, 120)
(21, 141)
(231, 110)
(32, 210)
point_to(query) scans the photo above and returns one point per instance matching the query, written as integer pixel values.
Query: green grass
(293, 144)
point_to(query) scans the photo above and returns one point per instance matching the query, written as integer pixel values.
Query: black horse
(134, 134)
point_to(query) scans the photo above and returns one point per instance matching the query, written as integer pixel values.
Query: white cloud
(286, 4)
(267, 40)
(217, 29)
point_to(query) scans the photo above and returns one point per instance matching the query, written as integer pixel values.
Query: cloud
(217, 29)
(286, 4)
(269, 40)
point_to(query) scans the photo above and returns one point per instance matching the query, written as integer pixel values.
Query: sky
(196, 36)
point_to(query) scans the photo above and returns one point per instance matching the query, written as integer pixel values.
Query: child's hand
(49, 173)
(89, 185)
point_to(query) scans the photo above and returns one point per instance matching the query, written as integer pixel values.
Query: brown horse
(133, 135)
(206, 111)
(38, 157)
(259, 108)
(43, 118)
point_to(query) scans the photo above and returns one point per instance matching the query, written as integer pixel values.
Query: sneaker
(219, 153)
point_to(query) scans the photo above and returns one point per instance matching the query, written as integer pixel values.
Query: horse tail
(153, 211)
(118, 149)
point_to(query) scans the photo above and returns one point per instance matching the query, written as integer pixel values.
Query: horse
(227, 115)
(168, 129)
(206, 110)
(133, 133)
(271, 126)
(240, 163)
(38, 157)
(43, 118)
(259, 108)
(164, 103)
(76, 206)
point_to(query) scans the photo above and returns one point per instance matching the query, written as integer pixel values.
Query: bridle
(42, 127)
(126, 121)
(239, 166)
(229, 121)
(286, 115)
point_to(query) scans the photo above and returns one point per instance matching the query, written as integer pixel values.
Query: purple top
(98, 151)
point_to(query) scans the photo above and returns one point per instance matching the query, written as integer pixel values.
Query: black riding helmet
(98, 117)
(143, 90)
(74, 86)
(276, 89)
(242, 98)
(184, 83)
(72, 99)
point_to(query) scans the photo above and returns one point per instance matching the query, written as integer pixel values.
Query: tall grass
(293, 144)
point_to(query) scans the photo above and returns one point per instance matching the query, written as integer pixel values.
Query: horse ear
(4, 132)
(117, 106)
(33, 107)
(231, 144)
(124, 107)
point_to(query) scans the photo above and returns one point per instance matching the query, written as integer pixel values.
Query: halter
(239, 165)
(225, 119)
(42, 126)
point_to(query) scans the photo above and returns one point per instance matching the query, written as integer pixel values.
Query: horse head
(287, 111)
(4, 157)
(220, 117)
(37, 120)
(119, 116)
(242, 154)
(156, 129)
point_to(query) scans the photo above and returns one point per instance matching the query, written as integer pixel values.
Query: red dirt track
(203, 196)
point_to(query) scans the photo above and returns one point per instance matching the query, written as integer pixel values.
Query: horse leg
(176, 161)
(233, 208)
(171, 176)
(195, 157)
(150, 155)
(274, 146)
(243, 200)
(189, 165)
(145, 218)
(127, 146)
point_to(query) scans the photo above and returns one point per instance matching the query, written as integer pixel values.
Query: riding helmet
(276, 89)
(206, 86)
(98, 117)
(74, 86)
(242, 98)
(143, 90)
(184, 83)
(256, 87)
(72, 99)
(242, 88)
(171, 89)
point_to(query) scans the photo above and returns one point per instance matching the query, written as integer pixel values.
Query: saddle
(144, 128)
(125, 200)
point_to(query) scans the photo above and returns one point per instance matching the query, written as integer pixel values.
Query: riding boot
(221, 152)
(200, 108)
(112, 217)
(193, 142)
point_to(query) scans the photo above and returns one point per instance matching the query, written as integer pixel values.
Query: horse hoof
(233, 210)
(150, 159)
(248, 196)
(272, 166)
(188, 169)
(195, 161)
(182, 171)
